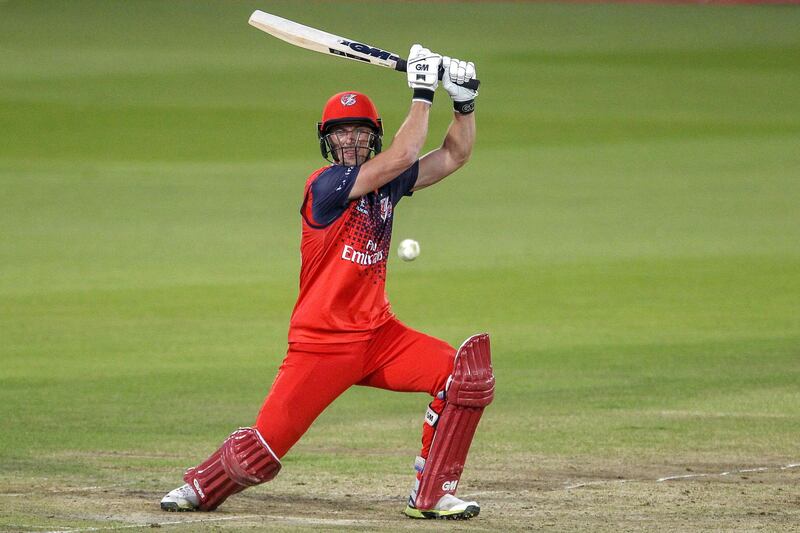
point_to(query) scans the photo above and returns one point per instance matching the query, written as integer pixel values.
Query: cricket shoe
(448, 507)
(183, 498)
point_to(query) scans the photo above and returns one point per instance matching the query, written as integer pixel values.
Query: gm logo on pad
(348, 99)
(450, 485)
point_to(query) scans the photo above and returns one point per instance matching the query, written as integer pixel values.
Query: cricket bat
(328, 43)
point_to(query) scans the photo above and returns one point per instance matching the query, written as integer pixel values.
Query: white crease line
(149, 524)
(685, 476)
(728, 473)
(296, 519)
(324, 521)
(600, 482)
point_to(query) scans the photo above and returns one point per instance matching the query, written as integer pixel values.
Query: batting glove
(422, 67)
(455, 72)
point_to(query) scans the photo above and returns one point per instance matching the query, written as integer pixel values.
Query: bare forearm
(452, 155)
(410, 138)
(403, 152)
(460, 138)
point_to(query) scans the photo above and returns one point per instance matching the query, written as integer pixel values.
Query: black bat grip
(473, 84)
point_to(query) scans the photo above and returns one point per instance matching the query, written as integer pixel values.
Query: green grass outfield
(628, 231)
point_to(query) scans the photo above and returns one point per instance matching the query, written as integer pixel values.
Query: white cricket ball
(408, 250)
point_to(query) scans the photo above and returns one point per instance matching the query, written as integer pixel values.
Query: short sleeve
(327, 198)
(402, 184)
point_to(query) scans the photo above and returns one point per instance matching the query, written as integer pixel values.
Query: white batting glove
(455, 72)
(422, 67)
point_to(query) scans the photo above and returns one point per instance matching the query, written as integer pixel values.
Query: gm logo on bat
(369, 50)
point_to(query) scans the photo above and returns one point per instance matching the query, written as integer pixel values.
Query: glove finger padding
(457, 72)
(470, 75)
(461, 71)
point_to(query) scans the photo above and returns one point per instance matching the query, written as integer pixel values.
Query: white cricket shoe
(183, 498)
(448, 507)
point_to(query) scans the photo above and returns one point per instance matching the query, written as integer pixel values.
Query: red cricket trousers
(311, 376)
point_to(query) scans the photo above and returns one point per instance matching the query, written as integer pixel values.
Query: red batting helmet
(349, 107)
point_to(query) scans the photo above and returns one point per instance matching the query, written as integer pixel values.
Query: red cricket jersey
(344, 249)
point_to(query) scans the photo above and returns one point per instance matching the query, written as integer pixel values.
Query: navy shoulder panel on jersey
(402, 184)
(328, 194)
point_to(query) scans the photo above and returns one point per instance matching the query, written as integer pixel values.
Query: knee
(247, 458)
(472, 383)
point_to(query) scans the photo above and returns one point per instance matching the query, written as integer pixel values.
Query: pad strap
(470, 391)
(431, 417)
(243, 460)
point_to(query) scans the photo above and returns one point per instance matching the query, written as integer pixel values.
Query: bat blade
(322, 41)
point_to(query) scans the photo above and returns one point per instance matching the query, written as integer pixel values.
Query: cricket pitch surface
(529, 493)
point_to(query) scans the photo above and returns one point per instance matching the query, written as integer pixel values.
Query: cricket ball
(408, 250)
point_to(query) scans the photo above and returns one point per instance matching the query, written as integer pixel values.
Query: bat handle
(473, 84)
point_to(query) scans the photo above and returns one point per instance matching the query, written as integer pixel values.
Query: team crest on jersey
(386, 208)
(348, 99)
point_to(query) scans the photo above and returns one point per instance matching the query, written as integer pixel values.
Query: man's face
(350, 143)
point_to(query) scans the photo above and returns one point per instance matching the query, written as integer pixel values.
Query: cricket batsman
(342, 330)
